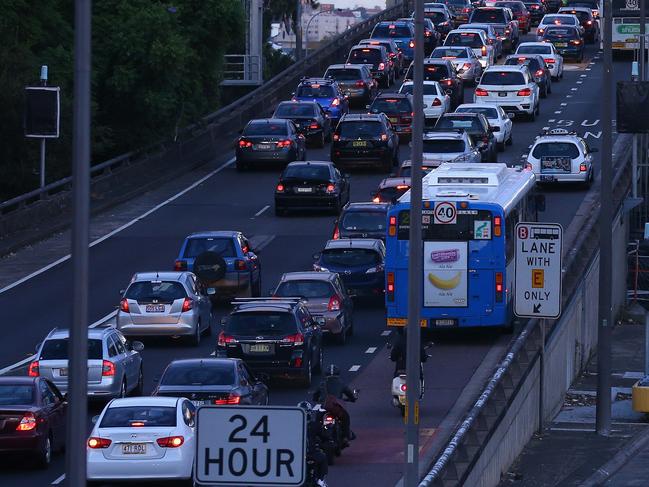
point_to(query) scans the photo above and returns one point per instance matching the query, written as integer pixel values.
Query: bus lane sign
(537, 285)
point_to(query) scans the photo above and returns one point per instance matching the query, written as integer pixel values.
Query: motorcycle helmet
(332, 369)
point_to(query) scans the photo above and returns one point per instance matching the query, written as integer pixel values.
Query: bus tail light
(392, 226)
(390, 286)
(498, 222)
(499, 287)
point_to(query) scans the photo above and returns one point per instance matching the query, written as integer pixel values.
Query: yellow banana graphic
(445, 283)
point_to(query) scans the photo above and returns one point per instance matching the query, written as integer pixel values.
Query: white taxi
(552, 58)
(559, 156)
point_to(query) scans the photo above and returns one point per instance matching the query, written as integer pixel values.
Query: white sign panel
(445, 213)
(250, 446)
(538, 270)
(445, 274)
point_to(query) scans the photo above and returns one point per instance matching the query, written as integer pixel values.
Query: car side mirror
(539, 200)
(594, 149)
(137, 346)
(94, 419)
(211, 291)
(316, 256)
(367, 107)
(425, 106)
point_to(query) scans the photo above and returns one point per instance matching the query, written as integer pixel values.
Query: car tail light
(225, 339)
(95, 442)
(390, 286)
(335, 102)
(170, 441)
(231, 399)
(334, 303)
(583, 168)
(549, 60)
(376, 199)
(33, 371)
(297, 339)
(499, 287)
(466, 10)
(428, 33)
(284, 143)
(314, 125)
(589, 22)
(411, 44)
(381, 66)
(384, 137)
(498, 226)
(403, 387)
(123, 306)
(525, 92)
(328, 419)
(540, 31)
(437, 102)
(27, 423)
(297, 362)
(392, 226)
(280, 188)
(336, 234)
(484, 50)
(330, 188)
(336, 137)
(107, 369)
(180, 265)
(528, 166)
(507, 31)
(539, 73)
(240, 265)
(534, 7)
(467, 66)
(481, 92)
(359, 84)
(575, 42)
(245, 143)
(447, 82)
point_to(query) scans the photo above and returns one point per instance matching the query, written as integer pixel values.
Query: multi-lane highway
(226, 199)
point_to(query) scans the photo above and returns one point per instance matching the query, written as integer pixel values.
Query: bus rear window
(470, 225)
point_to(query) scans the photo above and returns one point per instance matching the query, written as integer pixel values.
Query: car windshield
(582, 16)
(57, 349)
(265, 128)
(160, 291)
(391, 30)
(11, 394)
(406, 171)
(555, 149)
(502, 78)
(222, 246)
(466, 123)
(443, 146)
(348, 257)
(391, 105)
(436, 17)
(559, 20)
(560, 33)
(315, 91)
(360, 129)
(289, 110)
(468, 39)
(391, 194)
(264, 323)
(488, 112)
(436, 72)
(205, 374)
(532, 63)
(455, 2)
(513, 6)
(306, 172)
(364, 221)
(428, 89)
(534, 50)
(305, 288)
(489, 16)
(344, 74)
(139, 416)
(365, 56)
(444, 52)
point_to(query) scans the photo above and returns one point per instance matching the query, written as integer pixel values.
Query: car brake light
(360, 84)
(484, 50)
(466, 10)
(575, 42)
(231, 399)
(330, 188)
(225, 339)
(188, 304)
(583, 168)
(428, 33)
(328, 419)
(390, 286)
(245, 143)
(467, 66)
(180, 265)
(481, 92)
(381, 66)
(447, 82)
(314, 125)
(336, 234)
(539, 73)
(540, 31)
(336, 137)
(297, 339)
(392, 226)
(297, 362)
(33, 371)
(170, 441)
(497, 226)
(27, 423)
(549, 60)
(240, 265)
(499, 287)
(384, 137)
(334, 303)
(411, 44)
(123, 306)
(376, 199)
(284, 143)
(107, 369)
(96, 443)
(403, 387)
(280, 188)
(437, 102)
(525, 92)
(335, 102)
(507, 31)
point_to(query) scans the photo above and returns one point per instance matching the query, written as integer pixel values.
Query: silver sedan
(464, 60)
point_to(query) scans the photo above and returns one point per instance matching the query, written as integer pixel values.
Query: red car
(32, 418)
(520, 12)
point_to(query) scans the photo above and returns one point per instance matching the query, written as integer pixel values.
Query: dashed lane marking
(552, 120)
(579, 82)
(262, 210)
(568, 96)
(545, 128)
(354, 368)
(558, 112)
(385, 333)
(573, 89)
(59, 480)
(564, 104)
(370, 350)
(583, 75)
(588, 69)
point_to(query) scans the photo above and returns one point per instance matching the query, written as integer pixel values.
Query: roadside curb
(603, 473)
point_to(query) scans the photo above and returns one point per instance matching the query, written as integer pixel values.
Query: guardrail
(453, 466)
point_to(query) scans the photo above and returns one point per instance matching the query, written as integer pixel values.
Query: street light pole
(298, 30)
(306, 32)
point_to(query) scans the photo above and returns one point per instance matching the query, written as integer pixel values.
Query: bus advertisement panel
(445, 274)
(626, 24)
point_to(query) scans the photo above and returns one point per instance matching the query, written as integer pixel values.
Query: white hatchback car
(511, 87)
(552, 58)
(436, 101)
(499, 121)
(559, 156)
(149, 438)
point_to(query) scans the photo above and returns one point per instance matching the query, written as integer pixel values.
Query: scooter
(399, 388)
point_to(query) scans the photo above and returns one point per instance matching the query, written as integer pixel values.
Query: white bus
(626, 25)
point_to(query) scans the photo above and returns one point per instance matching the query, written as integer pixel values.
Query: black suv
(376, 56)
(477, 127)
(277, 336)
(364, 140)
(442, 70)
(539, 70)
(362, 220)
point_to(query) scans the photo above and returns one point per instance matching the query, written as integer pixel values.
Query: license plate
(304, 190)
(155, 308)
(199, 403)
(502, 93)
(359, 143)
(561, 44)
(262, 347)
(134, 448)
(548, 178)
(444, 322)
(263, 147)
(393, 120)
(63, 372)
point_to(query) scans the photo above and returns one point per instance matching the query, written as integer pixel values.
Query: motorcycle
(399, 388)
(332, 429)
(311, 478)
(327, 441)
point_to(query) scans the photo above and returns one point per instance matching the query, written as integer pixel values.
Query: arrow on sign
(537, 308)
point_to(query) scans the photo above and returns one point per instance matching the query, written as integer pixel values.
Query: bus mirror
(539, 200)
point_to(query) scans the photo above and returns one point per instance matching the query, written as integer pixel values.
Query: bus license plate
(155, 308)
(260, 348)
(444, 322)
(134, 448)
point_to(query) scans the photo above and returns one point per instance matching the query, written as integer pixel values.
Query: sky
(356, 3)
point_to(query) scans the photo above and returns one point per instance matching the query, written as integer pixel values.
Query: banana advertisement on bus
(445, 274)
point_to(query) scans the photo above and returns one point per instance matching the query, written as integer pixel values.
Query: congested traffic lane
(244, 201)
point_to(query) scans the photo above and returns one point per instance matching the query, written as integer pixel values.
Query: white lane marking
(583, 75)
(579, 82)
(354, 368)
(370, 350)
(633, 375)
(545, 128)
(573, 89)
(123, 227)
(529, 146)
(212, 354)
(564, 104)
(262, 210)
(552, 120)
(385, 333)
(558, 112)
(59, 480)
(568, 96)
(580, 430)
(100, 321)
(589, 69)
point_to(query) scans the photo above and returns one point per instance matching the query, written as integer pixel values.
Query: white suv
(511, 87)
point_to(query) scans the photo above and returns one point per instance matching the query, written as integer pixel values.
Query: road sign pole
(415, 261)
(542, 325)
(603, 411)
(75, 459)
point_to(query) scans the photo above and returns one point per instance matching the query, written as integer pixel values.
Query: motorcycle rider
(398, 353)
(331, 390)
(313, 439)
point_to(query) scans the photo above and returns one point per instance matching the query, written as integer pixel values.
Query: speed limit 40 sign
(445, 213)
(250, 446)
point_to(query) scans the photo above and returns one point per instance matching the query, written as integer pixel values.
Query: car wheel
(196, 337)
(123, 390)
(549, 85)
(494, 155)
(341, 338)
(544, 93)
(44, 456)
(256, 292)
(328, 139)
(395, 158)
(339, 205)
(510, 141)
(307, 375)
(538, 109)
(321, 140)
(139, 389)
(532, 116)
(304, 155)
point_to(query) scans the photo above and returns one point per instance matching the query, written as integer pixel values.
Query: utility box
(640, 395)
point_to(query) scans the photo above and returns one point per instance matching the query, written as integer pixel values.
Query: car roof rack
(557, 131)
